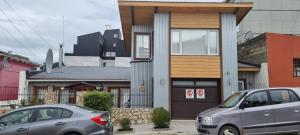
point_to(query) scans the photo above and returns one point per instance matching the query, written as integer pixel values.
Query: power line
(18, 41)
(30, 27)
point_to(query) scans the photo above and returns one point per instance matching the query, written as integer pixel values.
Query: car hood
(213, 112)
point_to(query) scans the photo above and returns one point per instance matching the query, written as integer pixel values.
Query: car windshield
(232, 100)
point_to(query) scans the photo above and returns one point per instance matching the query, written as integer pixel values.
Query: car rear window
(66, 113)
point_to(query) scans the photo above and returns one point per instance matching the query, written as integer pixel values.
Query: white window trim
(208, 48)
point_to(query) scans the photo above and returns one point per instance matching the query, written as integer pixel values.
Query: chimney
(60, 55)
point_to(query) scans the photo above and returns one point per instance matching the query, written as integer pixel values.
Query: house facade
(278, 57)
(184, 55)
(12, 68)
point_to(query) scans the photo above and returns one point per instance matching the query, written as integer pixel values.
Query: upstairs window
(195, 42)
(297, 67)
(110, 54)
(142, 46)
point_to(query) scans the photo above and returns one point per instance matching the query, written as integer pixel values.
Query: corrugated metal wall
(229, 54)
(161, 60)
(141, 76)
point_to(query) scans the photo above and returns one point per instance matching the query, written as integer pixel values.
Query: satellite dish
(249, 35)
(49, 61)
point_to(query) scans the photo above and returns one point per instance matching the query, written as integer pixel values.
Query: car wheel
(229, 130)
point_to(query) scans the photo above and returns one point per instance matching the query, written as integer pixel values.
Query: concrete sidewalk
(177, 127)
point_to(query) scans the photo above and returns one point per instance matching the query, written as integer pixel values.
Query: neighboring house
(11, 67)
(97, 50)
(94, 65)
(67, 84)
(278, 57)
(275, 16)
(184, 54)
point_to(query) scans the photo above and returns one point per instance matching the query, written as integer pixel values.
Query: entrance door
(189, 98)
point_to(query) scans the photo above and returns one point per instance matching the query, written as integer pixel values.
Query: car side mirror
(244, 105)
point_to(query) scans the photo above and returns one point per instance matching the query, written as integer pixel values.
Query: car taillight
(101, 120)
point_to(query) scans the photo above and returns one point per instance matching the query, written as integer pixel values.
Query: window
(115, 35)
(49, 114)
(280, 96)
(121, 97)
(15, 118)
(297, 67)
(294, 97)
(110, 54)
(194, 42)
(258, 99)
(114, 44)
(113, 54)
(66, 113)
(233, 100)
(241, 85)
(142, 46)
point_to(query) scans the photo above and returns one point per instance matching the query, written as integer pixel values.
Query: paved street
(178, 127)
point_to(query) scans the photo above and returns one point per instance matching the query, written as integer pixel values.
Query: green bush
(102, 101)
(161, 118)
(125, 124)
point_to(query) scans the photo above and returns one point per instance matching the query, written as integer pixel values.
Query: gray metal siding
(229, 54)
(161, 60)
(141, 76)
(141, 85)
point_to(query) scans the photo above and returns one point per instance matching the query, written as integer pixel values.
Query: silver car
(262, 111)
(56, 119)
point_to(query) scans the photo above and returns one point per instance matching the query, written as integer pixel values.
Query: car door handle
(296, 111)
(21, 129)
(266, 114)
(60, 123)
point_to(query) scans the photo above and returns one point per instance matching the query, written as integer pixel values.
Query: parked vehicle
(57, 119)
(262, 111)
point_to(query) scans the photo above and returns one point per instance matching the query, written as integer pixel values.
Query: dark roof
(18, 58)
(85, 73)
(242, 64)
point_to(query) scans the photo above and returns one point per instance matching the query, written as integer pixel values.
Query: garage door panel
(183, 108)
(190, 109)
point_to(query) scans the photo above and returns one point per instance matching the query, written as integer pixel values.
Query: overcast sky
(31, 27)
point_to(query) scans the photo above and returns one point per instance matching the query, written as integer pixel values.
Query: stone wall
(136, 115)
(50, 97)
(79, 97)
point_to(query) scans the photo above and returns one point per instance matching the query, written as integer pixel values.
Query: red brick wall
(282, 49)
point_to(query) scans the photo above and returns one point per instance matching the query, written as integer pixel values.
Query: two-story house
(184, 54)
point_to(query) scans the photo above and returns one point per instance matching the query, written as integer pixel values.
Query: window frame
(194, 29)
(268, 96)
(31, 119)
(38, 109)
(272, 102)
(135, 45)
(295, 70)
